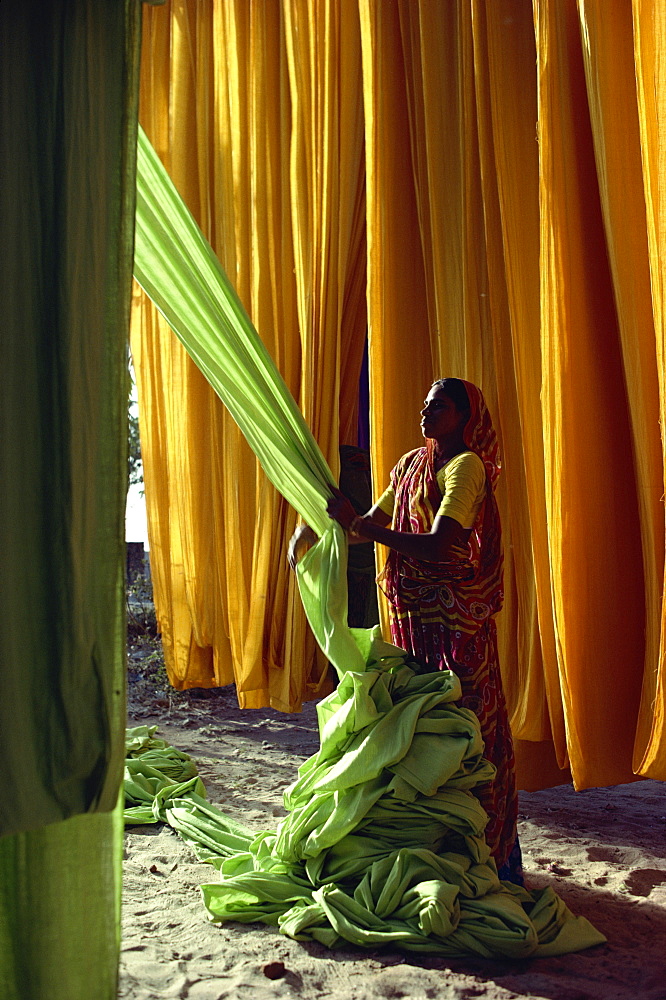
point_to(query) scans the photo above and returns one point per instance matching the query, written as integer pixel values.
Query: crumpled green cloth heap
(383, 843)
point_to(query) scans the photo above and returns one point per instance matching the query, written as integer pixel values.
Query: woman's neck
(445, 451)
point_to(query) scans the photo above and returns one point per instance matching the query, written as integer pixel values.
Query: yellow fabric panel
(328, 212)
(649, 21)
(167, 382)
(159, 367)
(399, 347)
(609, 67)
(505, 51)
(400, 361)
(256, 110)
(512, 161)
(594, 537)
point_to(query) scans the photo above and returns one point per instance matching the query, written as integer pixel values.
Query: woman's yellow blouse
(463, 484)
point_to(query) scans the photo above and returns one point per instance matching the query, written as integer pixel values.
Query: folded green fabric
(376, 849)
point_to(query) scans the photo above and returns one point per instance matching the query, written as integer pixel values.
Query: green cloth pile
(383, 843)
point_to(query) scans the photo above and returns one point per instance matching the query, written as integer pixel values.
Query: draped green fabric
(384, 841)
(68, 77)
(176, 266)
(376, 848)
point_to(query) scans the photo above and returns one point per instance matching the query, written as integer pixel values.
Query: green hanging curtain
(68, 77)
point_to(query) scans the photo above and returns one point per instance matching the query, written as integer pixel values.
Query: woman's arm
(432, 546)
(375, 516)
(304, 536)
(299, 543)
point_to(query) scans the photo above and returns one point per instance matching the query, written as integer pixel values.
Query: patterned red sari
(442, 613)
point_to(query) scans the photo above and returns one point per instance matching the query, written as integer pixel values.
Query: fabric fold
(178, 269)
(363, 856)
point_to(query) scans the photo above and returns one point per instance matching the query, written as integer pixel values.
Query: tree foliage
(134, 451)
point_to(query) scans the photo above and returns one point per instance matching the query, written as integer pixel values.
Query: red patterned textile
(442, 613)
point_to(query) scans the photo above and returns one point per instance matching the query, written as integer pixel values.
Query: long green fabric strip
(178, 269)
(383, 843)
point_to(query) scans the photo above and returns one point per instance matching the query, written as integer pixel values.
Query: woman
(443, 576)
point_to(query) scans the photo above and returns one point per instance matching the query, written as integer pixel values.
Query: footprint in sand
(607, 854)
(553, 866)
(642, 881)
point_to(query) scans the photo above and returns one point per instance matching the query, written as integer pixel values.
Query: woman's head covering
(480, 437)
(479, 434)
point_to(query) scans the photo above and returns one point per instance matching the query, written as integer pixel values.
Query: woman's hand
(299, 543)
(340, 509)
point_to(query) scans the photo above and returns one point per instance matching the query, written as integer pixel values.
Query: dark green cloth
(69, 84)
(68, 76)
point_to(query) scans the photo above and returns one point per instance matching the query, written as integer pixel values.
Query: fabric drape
(584, 378)
(649, 24)
(274, 174)
(177, 267)
(371, 852)
(69, 76)
(511, 179)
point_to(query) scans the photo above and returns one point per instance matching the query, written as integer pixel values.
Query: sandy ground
(604, 851)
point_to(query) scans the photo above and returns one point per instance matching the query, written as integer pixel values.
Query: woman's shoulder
(465, 467)
(466, 460)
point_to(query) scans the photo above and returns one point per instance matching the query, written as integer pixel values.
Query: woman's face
(440, 419)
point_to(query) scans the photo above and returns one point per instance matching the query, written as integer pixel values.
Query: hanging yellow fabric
(288, 223)
(327, 188)
(400, 360)
(507, 215)
(649, 23)
(609, 65)
(504, 49)
(594, 539)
